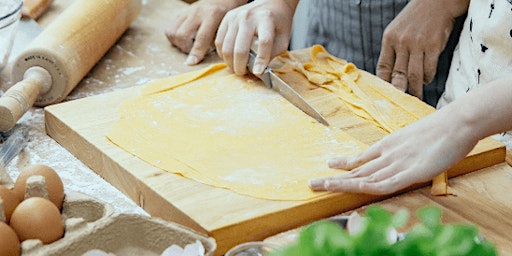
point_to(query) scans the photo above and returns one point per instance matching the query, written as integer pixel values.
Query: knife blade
(273, 81)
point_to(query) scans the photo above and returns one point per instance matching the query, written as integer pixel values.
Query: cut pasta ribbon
(383, 106)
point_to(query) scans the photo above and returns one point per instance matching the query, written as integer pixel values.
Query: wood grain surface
(143, 54)
(228, 217)
(481, 198)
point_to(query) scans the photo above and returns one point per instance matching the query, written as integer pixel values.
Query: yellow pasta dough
(378, 103)
(230, 132)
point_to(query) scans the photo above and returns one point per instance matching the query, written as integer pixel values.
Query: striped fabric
(352, 30)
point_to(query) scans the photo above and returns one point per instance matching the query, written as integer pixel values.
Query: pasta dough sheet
(230, 132)
(378, 103)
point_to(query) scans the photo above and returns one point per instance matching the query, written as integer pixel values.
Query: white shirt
(484, 52)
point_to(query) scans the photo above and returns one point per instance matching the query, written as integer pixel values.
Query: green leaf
(400, 218)
(430, 237)
(430, 216)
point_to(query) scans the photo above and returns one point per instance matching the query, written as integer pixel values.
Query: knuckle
(354, 163)
(218, 43)
(384, 67)
(355, 173)
(414, 78)
(371, 179)
(240, 53)
(227, 54)
(389, 36)
(200, 44)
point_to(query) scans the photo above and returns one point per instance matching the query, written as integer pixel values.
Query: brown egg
(9, 242)
(9, 200)
(52, 179)
(37, 218)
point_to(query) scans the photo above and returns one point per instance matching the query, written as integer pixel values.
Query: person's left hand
(398, 160)
(413, 41)
(193, 30)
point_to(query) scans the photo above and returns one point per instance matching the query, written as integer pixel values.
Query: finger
(369, 169)
(346, 163)
(386, 62)
(221, 35)
(401, 180)
(203, 41)
(266, 34)
(228, 44)
(170, 32)
(430, 65)
(399, 74)
(184, 36)
(415, 74)
(367, 185)
(242, 47)
(280, 43)
(349, 163)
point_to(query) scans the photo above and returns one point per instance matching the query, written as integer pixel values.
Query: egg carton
(92, 225)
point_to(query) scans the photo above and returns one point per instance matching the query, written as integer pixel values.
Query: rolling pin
(57, 60)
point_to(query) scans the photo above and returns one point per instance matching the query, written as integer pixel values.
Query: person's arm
(193, 31)
(268, 20)
(413, 41)
(426, 148)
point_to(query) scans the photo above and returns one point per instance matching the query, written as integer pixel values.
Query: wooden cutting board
(81, 125)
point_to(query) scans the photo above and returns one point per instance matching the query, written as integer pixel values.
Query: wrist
(292, 4)
(455, 8)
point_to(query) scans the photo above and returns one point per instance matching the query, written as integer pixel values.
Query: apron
(352, 30)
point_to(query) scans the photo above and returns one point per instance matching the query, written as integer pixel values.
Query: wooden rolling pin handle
(19, 98)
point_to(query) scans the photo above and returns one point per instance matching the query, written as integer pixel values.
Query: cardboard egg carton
(92, 225)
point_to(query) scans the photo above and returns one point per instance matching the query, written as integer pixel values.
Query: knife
(273, 81)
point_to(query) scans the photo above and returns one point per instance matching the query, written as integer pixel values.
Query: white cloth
(484, 52)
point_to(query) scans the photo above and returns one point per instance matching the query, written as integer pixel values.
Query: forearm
(457, 7)
(453, 8)
(227, 3)
(484, 111)
(291, 4)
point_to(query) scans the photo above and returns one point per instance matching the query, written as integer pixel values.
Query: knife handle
(18, 99)
(252, 59)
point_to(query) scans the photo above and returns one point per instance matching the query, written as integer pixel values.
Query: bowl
(10, 13)
(255, 248)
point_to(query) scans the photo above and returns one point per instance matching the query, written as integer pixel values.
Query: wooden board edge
(264, 226)
(493, 154)
(97, 160)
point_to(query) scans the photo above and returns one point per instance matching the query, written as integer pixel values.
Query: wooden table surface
(483, 198)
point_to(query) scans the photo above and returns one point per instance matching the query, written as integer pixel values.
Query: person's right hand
(268, 20)
(193, 30)
(413, 41)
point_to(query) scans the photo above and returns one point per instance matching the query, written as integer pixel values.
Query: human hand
(193, 30)
(268, 20)
(397, 161)
(413, 41)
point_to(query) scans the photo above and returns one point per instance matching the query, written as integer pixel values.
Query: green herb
(430, 237)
